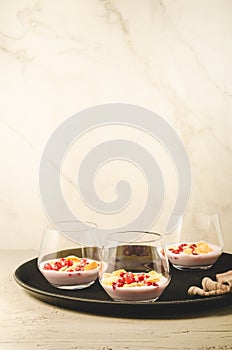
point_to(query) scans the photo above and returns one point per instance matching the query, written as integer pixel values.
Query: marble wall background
(58, 57)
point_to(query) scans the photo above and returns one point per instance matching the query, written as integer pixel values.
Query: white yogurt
(137, 293)
(193, 261)
(66, 278)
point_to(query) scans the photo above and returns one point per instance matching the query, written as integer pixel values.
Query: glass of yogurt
(69, 256)
(197, 241)
(134, 266)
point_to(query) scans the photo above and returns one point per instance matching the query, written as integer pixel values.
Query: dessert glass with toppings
(197, 241)
(69, 254)
(134, 266)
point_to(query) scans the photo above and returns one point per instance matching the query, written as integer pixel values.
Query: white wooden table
(27, 323)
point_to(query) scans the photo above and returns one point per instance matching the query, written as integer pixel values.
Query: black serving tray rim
(58, 295)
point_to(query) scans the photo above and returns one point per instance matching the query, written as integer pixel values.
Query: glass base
(73, 287)
(195, 268)
(136, 301)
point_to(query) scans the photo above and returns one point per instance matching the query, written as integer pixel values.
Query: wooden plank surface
(27, 323)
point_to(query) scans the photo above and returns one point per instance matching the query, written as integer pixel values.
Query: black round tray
(173, 302)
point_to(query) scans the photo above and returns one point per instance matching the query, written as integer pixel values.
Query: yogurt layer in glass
(193, 254)
(70, 271)
(124, 285)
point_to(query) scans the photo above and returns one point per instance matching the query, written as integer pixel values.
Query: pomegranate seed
(47, 266)
(192, 245)
(141, 278)
(129, 277)
(174, 251)
(120, 280)
(183, 245)
(62, 261)
(58, 265)
(127, 251)
(148, 283)
(69, 262)
(120, 284)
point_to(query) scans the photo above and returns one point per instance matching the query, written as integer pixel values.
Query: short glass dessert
(197, 242)
(69, 255)
(134, 266)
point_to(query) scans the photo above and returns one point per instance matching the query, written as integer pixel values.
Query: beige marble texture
(60, 57)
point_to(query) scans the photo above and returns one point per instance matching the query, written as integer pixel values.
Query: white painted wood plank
(27, 323)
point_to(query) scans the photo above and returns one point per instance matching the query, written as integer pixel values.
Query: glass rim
(198, 212)
(55, 225)
(155, 234)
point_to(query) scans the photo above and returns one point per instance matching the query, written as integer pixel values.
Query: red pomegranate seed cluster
(129, 277)
(138, 250)
(62, 262)
(182, 246)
